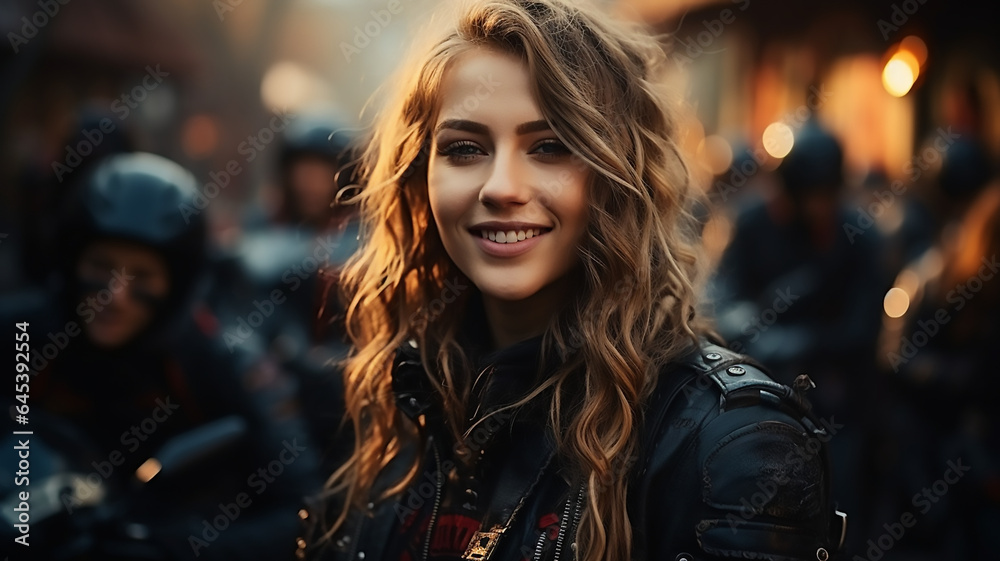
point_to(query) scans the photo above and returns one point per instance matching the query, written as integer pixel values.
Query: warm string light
(903, 67)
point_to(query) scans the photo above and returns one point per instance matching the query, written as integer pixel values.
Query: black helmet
(318, 137)
(313, 136)
(139, 197)
(815, 163)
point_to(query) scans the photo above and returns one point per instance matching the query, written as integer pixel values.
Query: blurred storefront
(883, 75)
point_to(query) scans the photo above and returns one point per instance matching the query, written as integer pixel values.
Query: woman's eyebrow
(533, 126)
(463, 125)
(479, 128)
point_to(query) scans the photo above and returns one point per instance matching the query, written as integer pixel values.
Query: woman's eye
(461, 151)
(551, 148)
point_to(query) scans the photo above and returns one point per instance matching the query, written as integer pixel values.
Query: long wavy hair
(599, 85)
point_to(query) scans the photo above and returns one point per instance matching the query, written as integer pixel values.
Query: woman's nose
(508, 182)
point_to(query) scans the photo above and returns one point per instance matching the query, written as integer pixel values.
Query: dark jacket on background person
(166, 445)
(731, 465)
(103, 414)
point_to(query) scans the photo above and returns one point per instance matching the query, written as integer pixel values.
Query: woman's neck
(514, 321)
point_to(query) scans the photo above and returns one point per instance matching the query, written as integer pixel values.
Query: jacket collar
(508, 373)
(414, 394)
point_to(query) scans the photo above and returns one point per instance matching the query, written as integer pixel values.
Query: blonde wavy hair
(599, 85)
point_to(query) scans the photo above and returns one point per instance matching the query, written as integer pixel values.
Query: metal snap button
(736, 370)
(712, 357)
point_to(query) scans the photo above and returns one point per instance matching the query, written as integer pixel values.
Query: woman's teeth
(510, 236)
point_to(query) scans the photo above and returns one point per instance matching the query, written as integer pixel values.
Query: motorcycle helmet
(148, 200)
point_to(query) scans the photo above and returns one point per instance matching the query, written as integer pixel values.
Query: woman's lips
(504, 249)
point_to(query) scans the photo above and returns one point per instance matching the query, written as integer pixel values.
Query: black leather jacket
(732, 465)
(90, 413)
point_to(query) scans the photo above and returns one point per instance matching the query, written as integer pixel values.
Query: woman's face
(115, 315)
(509, 199)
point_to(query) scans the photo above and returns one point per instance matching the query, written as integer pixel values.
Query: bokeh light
(148, 470)
(200, 136)
(897, 77)
(778, 139)
(903, 67)
(915, 46)
(715, 154)
(896, 302)
(288, 86)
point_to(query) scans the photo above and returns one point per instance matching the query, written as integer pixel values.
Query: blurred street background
(849, 151)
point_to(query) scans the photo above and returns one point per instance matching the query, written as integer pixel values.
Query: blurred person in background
(907, 225)
(965, 171)
(937, 358)
(791, 287)
(314, 151)
(131, 363)
(288, 260)
(794, 291)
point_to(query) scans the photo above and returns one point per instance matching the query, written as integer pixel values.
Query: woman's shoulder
(714, 379)
(712, 397)
(745, 453)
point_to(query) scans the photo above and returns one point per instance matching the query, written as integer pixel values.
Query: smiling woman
(529, 158)
(491, 181)
(124, 282)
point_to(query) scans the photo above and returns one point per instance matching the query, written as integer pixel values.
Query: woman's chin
(508, 293)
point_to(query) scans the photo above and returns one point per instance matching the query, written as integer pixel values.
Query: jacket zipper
(576, 516)
(357, 538)
(564, 528)
(538, 547)
(438, 483)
